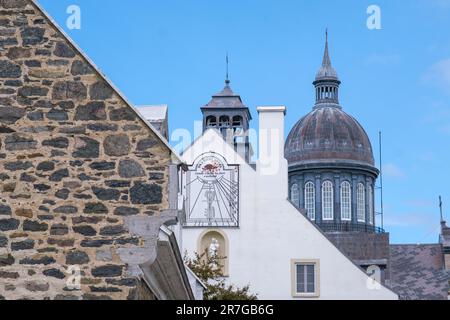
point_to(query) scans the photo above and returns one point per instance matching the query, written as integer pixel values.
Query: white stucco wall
(272, 231)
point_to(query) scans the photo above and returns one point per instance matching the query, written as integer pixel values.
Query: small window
(305, 278)
(361, 203)
(310, 200)
(346, 202)
(327, 200)
(295, 196)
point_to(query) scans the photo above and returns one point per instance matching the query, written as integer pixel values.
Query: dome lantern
(327, 82)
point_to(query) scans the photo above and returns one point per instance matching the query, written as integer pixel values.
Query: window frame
(349, 194)
(361, 192)
(310, 215)
(316, 264)
(371, 218)
(297, 201)
(331, 199)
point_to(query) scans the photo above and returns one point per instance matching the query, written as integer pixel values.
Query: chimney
(271, 161)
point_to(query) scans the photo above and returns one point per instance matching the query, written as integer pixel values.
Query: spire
(327, 81)
(227, 79)
(326, 71)
(326, 62)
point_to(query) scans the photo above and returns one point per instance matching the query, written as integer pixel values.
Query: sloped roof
(108, 81)
(154, 113)
(417, 272)
(225, 99)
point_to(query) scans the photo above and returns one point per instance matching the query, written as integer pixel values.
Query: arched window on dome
(295, 195)
(211, 122)
(361, 203)
(370, 199)
(346, 201)
(310, 200)
(327, 200)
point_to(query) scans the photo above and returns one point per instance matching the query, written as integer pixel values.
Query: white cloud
(392, 170)
(439, 75)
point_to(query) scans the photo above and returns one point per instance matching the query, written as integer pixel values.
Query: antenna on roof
(440, 208)
(381, 213)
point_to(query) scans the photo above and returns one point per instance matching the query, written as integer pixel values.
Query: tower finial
(440, 208)
(326, 56)
(227, 80)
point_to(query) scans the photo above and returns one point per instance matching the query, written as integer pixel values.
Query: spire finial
(227, 80)
(326, 56)
(440, 208)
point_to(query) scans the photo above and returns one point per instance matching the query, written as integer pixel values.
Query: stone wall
(75, 161)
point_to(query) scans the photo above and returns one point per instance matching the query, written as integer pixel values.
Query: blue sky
(395, 80)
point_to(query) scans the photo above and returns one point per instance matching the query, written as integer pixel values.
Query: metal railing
(349, 227)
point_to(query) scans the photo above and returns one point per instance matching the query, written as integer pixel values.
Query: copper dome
(328, 135)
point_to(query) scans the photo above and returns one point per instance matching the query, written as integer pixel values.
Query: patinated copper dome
(328, 135)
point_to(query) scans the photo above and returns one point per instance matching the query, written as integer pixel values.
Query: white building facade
(241, 211)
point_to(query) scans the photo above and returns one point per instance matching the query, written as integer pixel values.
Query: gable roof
(217, 134)
(304, 214)
(108, 81)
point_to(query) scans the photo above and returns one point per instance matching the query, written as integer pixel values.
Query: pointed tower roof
(226, 99)
(326, 71)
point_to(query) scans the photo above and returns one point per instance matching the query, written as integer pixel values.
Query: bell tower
(227, 113)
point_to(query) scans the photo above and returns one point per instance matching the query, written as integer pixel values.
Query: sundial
(212, 189)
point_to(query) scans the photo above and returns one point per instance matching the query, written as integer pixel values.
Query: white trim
(331, 196)
(349, 195)
(361, 202)
(316, 264)
(311, 215)
(370, 203)
(295, 193)
(271, 109)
